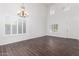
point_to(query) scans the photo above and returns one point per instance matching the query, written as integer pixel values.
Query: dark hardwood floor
(43, 46)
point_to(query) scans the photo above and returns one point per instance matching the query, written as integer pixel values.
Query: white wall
(35, 22)
(39, 21)
(68, 21)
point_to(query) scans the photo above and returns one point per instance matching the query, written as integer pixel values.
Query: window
(16, 27)
(55, 27)
(7, 28)
(20, 26)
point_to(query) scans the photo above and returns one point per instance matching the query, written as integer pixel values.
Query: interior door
(73, 29)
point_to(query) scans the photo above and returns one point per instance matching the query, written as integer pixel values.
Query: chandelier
(22, 11)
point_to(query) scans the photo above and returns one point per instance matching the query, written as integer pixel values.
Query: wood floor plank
(42, 46)
(0, 50)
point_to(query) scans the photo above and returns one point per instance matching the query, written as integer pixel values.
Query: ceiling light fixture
(22, 11)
